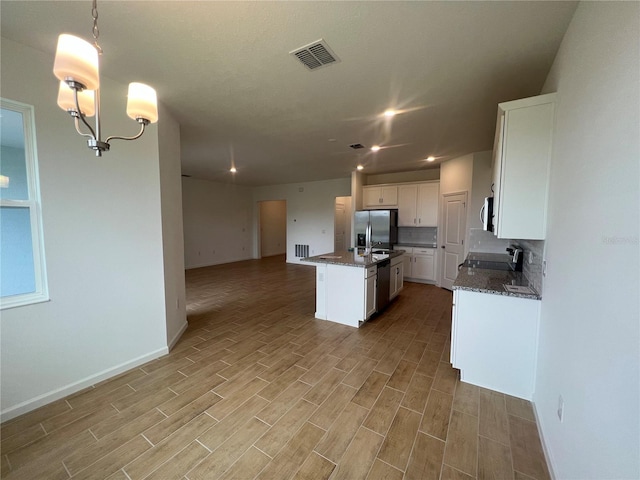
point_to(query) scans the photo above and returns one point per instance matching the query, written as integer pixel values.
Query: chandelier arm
(81, 115)
(77, 124)
(115, 137)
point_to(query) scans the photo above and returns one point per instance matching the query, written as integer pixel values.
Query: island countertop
(352, 259)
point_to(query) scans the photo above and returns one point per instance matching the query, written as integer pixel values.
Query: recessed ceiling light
(233, 170)
(360, 167)
(389, 113)
(375, 148)
(430, 159)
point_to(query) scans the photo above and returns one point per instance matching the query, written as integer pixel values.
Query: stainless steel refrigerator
(384, 228)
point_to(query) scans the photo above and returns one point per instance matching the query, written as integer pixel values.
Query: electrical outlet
(544, 268)
(560, 408)
(530, 258)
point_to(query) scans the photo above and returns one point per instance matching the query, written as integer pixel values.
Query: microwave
(486, 214)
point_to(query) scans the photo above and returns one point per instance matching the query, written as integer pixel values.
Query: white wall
(479, 240)
(273, 227)
(217, 222)
(103, 243)
(403, 177)
(310, 213)
(172, 230)
(481, 180)
(589, 338)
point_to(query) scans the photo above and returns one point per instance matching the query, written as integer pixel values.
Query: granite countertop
(492, 281)
(352, 259)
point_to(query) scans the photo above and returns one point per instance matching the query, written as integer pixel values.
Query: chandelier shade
(77, 60)
(142, 102)
(67, 101)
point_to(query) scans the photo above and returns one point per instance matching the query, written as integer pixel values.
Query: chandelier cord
(95, 31)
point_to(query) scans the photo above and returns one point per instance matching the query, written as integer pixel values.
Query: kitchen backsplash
(417, 235)
(486, 242)
(533, 271)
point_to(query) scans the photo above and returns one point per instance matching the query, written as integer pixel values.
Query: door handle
(442, 246)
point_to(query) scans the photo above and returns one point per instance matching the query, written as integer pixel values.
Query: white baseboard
(547, 453)
(177, 336)
(62, 392)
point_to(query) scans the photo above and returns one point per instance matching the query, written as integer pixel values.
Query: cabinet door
(393, 283)
(407, 261)
(454, 330)
(380, 197)
(522, 153)
(495, 339)
(427, 205)
(497, 170)
(423, 267)
(524, 174)
(371, 197)
(399, 277)
(407, 199)
(397, 282)
(389, 196)
(370, 296)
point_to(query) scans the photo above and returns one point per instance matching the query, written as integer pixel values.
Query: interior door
(454, 214)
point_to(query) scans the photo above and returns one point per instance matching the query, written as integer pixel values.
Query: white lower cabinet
(396, 277)
(345, 294)
(419, 263)
(494, 341)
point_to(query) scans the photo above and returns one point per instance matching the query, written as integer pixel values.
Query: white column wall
(172, 226)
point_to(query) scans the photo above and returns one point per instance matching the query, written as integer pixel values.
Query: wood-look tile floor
(258, 388)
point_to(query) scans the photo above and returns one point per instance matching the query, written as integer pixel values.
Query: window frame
(33, 203)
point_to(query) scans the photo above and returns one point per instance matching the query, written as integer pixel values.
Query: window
(22, 267)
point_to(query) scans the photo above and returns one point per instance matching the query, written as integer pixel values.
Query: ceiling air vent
(315, 55)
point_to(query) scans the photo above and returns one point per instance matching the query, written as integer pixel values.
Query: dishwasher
(383, 285)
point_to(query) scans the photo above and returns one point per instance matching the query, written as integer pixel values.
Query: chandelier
(76, 66)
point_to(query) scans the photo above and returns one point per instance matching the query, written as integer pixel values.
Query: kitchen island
(348, 287)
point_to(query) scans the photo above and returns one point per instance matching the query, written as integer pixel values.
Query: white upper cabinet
(418, 205)
(408, 205)
(428, 204)
(378, 196)
(522, 155)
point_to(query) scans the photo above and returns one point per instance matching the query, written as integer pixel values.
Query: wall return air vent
(315, 55)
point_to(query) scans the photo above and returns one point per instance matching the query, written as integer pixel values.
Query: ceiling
(224, 71)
